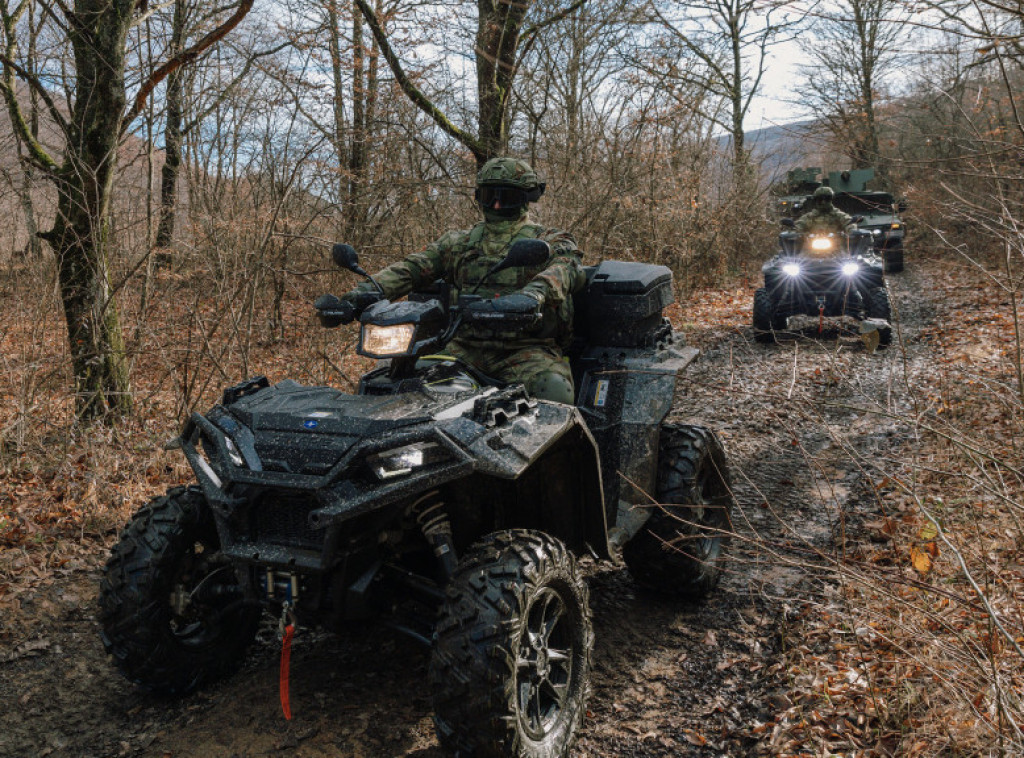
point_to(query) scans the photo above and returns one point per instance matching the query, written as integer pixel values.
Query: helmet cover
(512, 172)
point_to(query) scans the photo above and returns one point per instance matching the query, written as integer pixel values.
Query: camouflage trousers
(543, 370)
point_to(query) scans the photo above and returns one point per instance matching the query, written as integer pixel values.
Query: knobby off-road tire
(766, 323)
(893, 261)
(880, 306)
(681, 550)
(172, 613)
(510, 668)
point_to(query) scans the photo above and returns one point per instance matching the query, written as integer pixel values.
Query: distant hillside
(780, 148)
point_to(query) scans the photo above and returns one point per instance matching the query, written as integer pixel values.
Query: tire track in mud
(809, 426)
(669, 679)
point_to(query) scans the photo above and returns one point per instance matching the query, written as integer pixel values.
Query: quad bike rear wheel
(766, 323)
(893, 260)
(880, 307)
(172, 612)
(510, 667)
(681, 549)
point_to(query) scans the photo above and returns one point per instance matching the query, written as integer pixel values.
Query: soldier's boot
(549, 385)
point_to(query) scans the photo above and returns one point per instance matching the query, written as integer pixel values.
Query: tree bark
(500, 44)
(80, 236)
(97, 31)
(174, 113)
(357, 150)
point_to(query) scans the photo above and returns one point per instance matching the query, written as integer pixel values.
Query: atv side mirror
(525, 253)
(522, 254)
(788, 223)
(901, 206)
(345, 256)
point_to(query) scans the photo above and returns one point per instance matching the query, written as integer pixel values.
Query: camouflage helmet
(505, 187)
(824, 194)
(509, 172)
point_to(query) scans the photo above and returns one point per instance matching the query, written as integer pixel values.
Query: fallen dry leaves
(903, 656)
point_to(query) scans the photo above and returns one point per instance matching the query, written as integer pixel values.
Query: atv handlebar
(509, 312)
(500, 320)
(333, 311)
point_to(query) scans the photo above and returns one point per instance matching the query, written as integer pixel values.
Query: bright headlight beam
(821, 243)
(849, 269)
(791, 269)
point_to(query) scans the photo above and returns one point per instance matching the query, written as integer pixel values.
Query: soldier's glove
(362, 299)
(333, 311)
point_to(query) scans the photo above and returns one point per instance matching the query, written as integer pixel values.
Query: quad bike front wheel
(510, 667)
(172, 612)
(681, 549)
(766, 323)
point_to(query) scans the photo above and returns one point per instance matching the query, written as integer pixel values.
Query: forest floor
(818, 429)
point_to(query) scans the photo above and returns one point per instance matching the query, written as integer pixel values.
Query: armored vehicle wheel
(510, 668)
(893, 260)
(766, 323)
(172, 612)
(681, 549)
(880, 306)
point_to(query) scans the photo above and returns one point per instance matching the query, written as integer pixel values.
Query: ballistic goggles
(503, 196)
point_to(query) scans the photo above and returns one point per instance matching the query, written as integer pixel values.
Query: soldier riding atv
(447, 503)
(825, 267)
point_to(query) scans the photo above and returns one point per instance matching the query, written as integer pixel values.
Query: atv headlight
(402, 460)
(791, 269)
(387, 341)
(850, 268)
(821, 244)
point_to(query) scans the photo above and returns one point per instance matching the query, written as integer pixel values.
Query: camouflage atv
(447, 506)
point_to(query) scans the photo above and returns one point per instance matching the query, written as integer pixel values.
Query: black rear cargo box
(622, 304)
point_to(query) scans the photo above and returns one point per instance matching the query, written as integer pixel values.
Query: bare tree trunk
(174, 113)
(338, 99)
(34, 246)
(498, 28)
(80, 236)
(97, 31)
(357, 150)
(866, 38)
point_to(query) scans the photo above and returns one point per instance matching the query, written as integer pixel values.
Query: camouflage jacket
(819, 221)
(461, 258)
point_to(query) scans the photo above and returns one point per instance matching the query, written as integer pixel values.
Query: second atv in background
(824, 273)
(880, 210)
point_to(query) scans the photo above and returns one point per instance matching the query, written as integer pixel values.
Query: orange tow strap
(286, 661)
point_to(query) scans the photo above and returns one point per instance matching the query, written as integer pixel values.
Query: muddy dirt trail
(669, 680)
